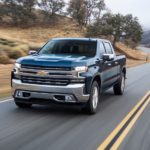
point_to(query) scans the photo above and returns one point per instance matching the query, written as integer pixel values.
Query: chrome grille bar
(52, 76)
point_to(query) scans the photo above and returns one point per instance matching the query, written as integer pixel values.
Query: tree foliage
(51, 8)
(84, 11)
(88, 13)
(121, 28)
(77, 10)
(20, 11)
(94, 9)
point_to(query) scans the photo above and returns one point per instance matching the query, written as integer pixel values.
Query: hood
(54, 60)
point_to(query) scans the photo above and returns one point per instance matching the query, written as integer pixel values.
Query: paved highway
(67, 128)
(145, 49)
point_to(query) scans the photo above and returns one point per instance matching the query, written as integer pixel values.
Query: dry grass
(133, 63)
(16, 42)
(65, 28)
(131, 53)
(5, 74)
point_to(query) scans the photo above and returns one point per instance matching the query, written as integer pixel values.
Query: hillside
(16, 42)
(131, 53)
(65, 28)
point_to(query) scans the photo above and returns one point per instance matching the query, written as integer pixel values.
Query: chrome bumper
(75, 91)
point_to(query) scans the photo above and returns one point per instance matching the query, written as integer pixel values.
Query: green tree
(20, 11)
(100, 6)
(90, 6)
(51, 8)
(117, 26)
(77, 10)
(85, 11)
(133, 29)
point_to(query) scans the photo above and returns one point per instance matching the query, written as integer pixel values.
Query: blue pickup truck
(68, 70)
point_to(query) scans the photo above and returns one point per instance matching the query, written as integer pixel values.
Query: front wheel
(92, 105)
(120, 86)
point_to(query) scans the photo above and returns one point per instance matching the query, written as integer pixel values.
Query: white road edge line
(7, 100)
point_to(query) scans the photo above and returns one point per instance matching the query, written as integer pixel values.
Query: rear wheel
(92, 105)
(120, 86)
(23, 105)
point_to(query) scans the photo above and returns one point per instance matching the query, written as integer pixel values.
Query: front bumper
(72, 93)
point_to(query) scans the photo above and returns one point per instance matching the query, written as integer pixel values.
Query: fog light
(68, 98)
(18, 94)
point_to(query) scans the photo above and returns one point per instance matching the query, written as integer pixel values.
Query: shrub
(4, 59)
(21, 47)
(33, 46)
(16, 54)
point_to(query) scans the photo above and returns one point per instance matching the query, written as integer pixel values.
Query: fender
(89, 81)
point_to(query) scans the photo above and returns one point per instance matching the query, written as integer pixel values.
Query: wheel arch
(97, 78)
(124, 71)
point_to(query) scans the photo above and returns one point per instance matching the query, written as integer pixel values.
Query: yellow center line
(117, 129)
(129, 127)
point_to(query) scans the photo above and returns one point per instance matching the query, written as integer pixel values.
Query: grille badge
(42, 73)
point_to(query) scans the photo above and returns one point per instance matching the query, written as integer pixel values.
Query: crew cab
(68, 70)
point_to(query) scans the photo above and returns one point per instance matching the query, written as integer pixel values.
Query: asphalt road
(67, 128)
(145, 49)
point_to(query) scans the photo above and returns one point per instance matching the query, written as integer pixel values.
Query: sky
(138, 8)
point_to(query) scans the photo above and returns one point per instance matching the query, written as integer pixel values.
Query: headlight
(17, 67)
(80, 70)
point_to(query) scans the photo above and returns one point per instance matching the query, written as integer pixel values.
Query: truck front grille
(48, 75)
(44, 80)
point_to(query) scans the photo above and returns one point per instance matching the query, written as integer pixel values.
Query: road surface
(67, 128)
(145, 49)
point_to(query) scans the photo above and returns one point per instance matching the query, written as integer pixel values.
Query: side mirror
(108, 57)
(32, 52)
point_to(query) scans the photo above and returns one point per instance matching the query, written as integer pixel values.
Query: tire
(23, 105)
(120, 86)
(92, 105)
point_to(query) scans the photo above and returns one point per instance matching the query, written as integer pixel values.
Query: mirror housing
(108, 57)
(31, 52)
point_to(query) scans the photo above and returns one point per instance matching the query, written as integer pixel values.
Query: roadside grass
(11, 49)
(5, 88)
(133, 54)
(41, 34)
(5, 95)
(134, 63)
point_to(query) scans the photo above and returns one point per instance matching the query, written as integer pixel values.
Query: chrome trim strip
(50, 73)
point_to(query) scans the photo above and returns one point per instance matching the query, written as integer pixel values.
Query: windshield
(70, 47)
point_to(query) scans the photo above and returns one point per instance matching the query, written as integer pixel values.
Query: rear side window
(108, 48)
(102, 50)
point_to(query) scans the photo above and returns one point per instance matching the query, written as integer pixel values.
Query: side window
(108, 48)
(102, 49)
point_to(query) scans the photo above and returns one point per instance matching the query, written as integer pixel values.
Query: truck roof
(84, 39)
